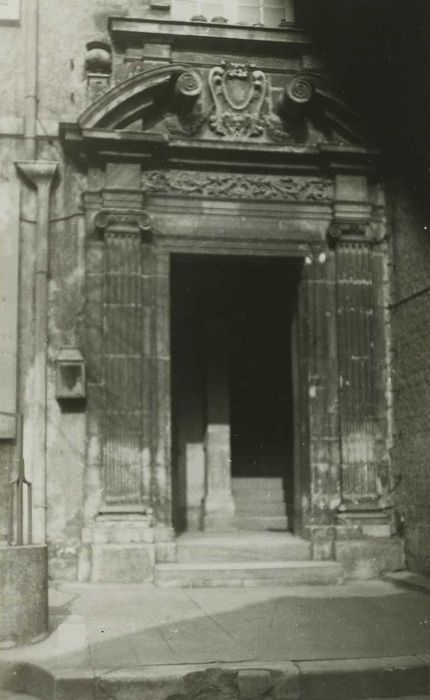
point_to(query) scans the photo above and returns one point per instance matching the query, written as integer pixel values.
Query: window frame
(230, 10)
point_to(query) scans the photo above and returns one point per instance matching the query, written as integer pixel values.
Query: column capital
(123, 221)
(349, 231)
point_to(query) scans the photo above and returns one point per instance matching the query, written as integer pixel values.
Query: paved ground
(103, 627)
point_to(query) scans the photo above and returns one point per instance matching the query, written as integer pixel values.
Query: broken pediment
(226, 102)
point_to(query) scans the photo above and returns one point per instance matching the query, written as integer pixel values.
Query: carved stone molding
(188, 87)
(349, 232)
(123, 221)
(98, 67)
(297, 96)
(238, 91)
(240, 186)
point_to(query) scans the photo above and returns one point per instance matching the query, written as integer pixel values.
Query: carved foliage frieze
(238, 186)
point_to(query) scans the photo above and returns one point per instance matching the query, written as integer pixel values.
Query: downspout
(31, 25)
(39, 174)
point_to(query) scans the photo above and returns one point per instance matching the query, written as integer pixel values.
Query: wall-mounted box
(10, 11)
(70, 375)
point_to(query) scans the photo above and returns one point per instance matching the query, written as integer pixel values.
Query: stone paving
(106, 629)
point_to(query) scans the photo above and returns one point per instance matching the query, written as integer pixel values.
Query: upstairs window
(268, 12)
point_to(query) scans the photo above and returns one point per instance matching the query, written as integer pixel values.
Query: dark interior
(256, 298)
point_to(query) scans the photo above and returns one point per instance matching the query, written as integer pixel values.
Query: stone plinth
(219, 503)
(117, 550)
(370, 557)
(24, 599)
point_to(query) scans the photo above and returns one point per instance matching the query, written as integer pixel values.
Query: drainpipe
(31, 31)
(39, 175)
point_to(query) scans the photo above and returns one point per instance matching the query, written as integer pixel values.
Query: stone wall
(63, 33)
(411, 377)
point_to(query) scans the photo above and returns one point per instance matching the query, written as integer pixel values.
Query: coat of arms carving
(238, 91)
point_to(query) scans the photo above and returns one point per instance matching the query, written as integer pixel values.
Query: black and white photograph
(214, 349)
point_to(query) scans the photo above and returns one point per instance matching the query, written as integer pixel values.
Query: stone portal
(232, 383)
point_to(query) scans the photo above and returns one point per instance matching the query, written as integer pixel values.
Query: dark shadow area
(254, 299)
(379, 56)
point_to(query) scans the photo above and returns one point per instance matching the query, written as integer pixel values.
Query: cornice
(195, 35)
(109, 145)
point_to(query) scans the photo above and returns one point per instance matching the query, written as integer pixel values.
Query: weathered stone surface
(369, 558)
(242, 546)
(363, 678)
(411, 378)
(125, 563)
(254, 683)
(267, 573)
(24, 594)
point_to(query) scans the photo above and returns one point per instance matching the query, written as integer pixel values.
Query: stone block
(369, 558)
(287, 686)
(254, 683)
(84, 563)
(323, 550)
(349, 679)
(211, 683)
(121, 563)
(127, 531)
(71, 684)
(24, 599)
(165, 552)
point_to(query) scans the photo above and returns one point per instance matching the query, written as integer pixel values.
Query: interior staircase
(260, 504)
(260, 552)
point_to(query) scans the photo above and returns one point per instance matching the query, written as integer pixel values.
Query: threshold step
(259, 496)
(257, 508)
(257, 484)
(241, 546)
(240, 574)
(277, 523)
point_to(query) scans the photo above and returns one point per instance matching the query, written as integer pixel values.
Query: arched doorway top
(205, 108)
(126, 101)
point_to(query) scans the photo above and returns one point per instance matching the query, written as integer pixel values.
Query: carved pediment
(231, 102)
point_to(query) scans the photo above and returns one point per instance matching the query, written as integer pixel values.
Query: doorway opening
(243, 308)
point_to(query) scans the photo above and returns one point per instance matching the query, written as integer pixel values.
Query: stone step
(259, 508)
(231, 574)
(241, 546)
(261, 522)
(257, 484)
(259, 495)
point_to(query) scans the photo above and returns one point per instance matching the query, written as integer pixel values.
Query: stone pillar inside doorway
(219, 505)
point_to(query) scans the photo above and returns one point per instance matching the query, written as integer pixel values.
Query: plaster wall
(9, 252)
(66, 426)
(411, 378)
(65, 29)
(12, 59)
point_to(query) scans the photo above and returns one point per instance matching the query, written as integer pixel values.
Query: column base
(353, 543)
(117, 548)
(219, 513)
(219, 523)
(370, 521)
(369, 558)
(165, 544)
